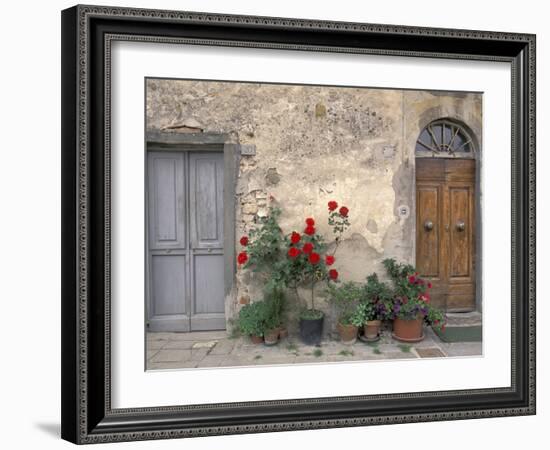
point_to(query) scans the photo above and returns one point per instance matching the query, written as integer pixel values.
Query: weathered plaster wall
(315, 144)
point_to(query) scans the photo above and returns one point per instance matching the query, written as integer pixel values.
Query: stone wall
(315, 144)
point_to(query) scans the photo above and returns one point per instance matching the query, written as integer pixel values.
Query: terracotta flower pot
(256, 339)
(371, 328)
(271, 337)
(408, 330)
(348, 333)
(283, 333)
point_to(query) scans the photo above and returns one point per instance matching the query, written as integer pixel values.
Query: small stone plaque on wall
(248, 150)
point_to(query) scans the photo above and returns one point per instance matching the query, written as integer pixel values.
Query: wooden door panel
(206, 212)
(460, 303)
(168, 284)
(166, 196)
(167, 256)
(430, 169)
(447, 257)
(460, 170)
(185, 251)
(428, 243)
(206, 180)
(460, 243)
(209, 294)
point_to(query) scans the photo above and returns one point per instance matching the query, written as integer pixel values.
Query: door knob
(460, 225)
(428, 225)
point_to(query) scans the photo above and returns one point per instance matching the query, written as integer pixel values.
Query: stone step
(469, 319)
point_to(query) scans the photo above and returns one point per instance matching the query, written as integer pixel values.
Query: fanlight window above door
(445, 138)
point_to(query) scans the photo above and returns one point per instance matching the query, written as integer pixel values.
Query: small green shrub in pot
(252, 321)
(347, 297)
(275, 301)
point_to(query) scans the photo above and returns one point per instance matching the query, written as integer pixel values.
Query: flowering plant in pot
(374, 307)
(347, 298)
(309, 263)
(262, 252)
(411, 304)
(295, 260)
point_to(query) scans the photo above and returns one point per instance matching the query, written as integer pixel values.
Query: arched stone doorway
(446, 213)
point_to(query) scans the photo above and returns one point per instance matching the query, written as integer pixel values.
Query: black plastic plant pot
(311, 330)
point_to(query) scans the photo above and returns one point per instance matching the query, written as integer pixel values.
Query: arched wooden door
(445, 215)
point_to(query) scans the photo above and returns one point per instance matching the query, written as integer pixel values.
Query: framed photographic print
(255, 207)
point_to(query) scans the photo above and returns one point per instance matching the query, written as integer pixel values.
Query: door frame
(198, 142)
(475, 134)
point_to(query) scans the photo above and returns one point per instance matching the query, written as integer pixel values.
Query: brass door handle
(428, 225)
(460, 225)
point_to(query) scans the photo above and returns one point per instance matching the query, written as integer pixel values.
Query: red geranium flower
(314, 258)
(295, 237)
(332, 205)
(329, 260)
(293, 252)
(244, 241)
(308, 247)
(344, 211)
(429, 285)
(333, 274)
(310, 230)
(412, 279)
(242, 258)
(310, 222)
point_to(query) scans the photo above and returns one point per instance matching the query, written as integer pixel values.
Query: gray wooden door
(185, 241)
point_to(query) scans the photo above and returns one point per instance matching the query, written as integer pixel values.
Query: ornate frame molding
(88, 32)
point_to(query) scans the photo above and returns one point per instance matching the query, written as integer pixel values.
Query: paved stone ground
(216, 349)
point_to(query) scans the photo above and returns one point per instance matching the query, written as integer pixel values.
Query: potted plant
(377, 305)
(308, 263)
(295, 260)
(411, 304)
(271, 335)
(274, 300)
(347, 298)
(263, 249)
(251, 321)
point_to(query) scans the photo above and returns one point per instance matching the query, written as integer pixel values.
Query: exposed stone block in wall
(250, 208)
(244, 300)
(320, 110)
(272, 177)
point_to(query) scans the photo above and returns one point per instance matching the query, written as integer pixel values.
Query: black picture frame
(87, 416)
